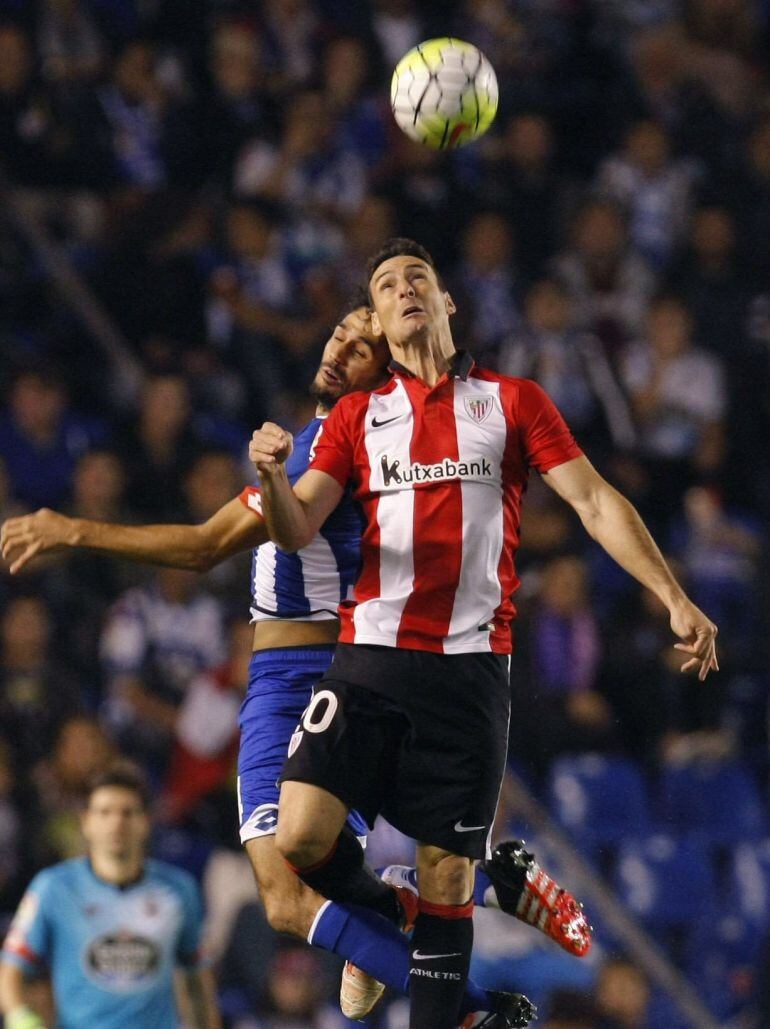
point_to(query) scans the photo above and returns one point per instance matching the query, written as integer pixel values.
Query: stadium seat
(717, 801)
(723, 951)
(599, 800)
(748, 889)
(666, 882)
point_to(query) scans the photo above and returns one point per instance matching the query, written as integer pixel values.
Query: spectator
(640, 676)
(749, 192)
(486, 290)
(61, 782)
(609, 282)
(295, 992)
(654, 188)
(291, 31)
(570, 365)
(622, 996)
(80, 585)
(560, 708)
(719, 551)
(41, 438)
(128, 127)
(206, 728)
(238, 105)
(34, 145)
(364, 126)
(213, 480)
(308, 170)
(12, 856)
(158, 447)
(520, 179)
(36, 692)
(70, 46)
(711, 279)
(156, 640)
(677, 392)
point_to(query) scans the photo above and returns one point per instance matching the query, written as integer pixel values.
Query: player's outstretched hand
(26, 536)
(270, 447)
(699, 636)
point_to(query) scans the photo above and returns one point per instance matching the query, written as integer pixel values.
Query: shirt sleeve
(333, 450)
(545, 438)
(28, 942)
(251, 497)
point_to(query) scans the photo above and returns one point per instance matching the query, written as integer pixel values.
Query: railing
(584, 881)
(127, 374)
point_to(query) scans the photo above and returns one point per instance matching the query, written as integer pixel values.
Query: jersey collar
(460, 366)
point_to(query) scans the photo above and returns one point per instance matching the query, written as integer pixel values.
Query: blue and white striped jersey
(310, 584)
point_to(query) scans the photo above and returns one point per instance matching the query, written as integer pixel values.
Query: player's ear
(449, 304)
(375, 322)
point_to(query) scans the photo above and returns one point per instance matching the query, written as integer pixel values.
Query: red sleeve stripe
(21, 950)
(250, 498)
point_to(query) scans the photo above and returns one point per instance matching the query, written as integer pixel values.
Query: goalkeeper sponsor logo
(122, 960)
(395, 475)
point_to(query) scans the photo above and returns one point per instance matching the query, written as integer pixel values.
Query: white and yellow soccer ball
(444, 93)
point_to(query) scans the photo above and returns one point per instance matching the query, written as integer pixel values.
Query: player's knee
(299, 845)
(449, 877)
(284, 908)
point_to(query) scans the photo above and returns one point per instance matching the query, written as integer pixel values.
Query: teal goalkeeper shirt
(110, 950)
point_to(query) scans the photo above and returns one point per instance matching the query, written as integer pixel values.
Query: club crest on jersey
(478, 407)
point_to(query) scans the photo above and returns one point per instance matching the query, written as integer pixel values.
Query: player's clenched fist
(25, 537)
(270, 446)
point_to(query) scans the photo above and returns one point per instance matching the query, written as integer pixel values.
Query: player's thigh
(309, 821)
(349, 745)
(448, 784)
(290, 906)
(280, 688)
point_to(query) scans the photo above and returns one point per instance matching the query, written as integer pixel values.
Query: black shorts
(418, 737)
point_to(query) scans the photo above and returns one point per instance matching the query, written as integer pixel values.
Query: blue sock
(373, 943)
(481, 898)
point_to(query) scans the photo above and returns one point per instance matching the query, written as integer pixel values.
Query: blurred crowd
(216, 174)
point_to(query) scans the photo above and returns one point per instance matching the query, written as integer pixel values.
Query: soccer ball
(444, 93)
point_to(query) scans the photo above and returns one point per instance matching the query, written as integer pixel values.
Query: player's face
(115, 824)
(408, 300)
(354, 358)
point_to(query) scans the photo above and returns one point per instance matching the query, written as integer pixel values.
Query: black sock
(438, 969)
(344, 877)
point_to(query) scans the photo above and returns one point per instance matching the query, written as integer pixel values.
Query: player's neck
(427, 357)
(117, 871)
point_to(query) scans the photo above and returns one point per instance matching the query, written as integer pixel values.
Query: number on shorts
(331, 710)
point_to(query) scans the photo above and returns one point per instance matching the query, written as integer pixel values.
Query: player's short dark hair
(399, 246)
(123, 777)
(358, 298)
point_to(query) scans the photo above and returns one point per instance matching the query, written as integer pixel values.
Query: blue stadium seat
(599, 800)
(748, 888)
(718, 801)
(664, 881)
(723, 954)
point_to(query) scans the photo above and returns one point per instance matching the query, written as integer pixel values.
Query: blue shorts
(281, 683)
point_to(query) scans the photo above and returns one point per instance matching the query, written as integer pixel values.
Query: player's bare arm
(293, 516)
(17, 1003)
(229, 531)
(615, 524)
(201, 999)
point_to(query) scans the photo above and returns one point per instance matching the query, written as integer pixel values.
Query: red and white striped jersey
(440, 473)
